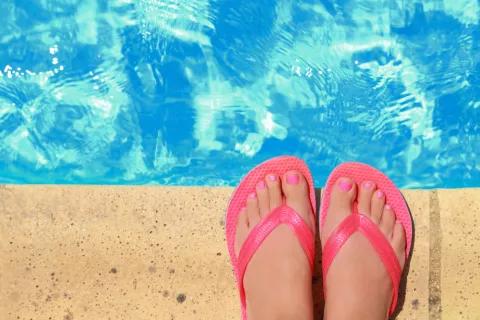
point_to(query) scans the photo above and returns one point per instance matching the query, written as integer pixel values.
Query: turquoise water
(197, 92)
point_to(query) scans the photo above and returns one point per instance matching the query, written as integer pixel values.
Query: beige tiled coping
(80, 252)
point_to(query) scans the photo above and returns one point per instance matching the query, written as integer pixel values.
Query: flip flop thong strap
(281, 215)
(358, 222)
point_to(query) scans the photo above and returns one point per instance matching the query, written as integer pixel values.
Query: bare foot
(278, 279)
(358, 285)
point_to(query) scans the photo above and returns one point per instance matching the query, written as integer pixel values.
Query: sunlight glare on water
(198, 92)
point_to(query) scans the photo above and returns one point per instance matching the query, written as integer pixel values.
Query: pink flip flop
(356, 222)
(278, 216)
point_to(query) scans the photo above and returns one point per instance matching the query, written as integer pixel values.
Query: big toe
(296, 191)
(342, 197)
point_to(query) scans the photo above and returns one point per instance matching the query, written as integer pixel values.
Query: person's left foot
(278, 278)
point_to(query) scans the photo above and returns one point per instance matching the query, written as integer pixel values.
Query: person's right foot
(358, 285)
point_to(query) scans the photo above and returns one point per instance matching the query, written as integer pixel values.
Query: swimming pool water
(196, 92)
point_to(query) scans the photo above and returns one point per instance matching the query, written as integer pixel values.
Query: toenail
(252, 195)
(379, 194)
(367, 185)
(261, 185)
(293, 178)
(345, 186)
(388, 207)
(243, 209)
(272, 177)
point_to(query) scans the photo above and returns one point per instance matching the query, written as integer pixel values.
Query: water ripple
(197, 92)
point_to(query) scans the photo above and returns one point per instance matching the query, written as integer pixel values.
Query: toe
(253, 211)
(342, 197)
(365, 193)
(295, 188)
(242, 230)
(399, 242)
(378, 204)
(388, 221)
(274, 190)
(263, 198)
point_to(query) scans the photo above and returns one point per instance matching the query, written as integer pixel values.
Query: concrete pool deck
(80, 252)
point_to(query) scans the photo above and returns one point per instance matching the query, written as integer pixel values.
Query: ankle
(336, 309)
(293, 303)
(278, 312)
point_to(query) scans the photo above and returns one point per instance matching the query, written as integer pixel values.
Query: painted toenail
(345, 186)
(388, 207)
(261, 185)
(293, 179)
(244, 208)
(272, 177)
(252, 195)
(379, 194)
(367, 185)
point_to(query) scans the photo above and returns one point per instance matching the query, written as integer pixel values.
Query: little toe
(253, 211)
(242, 230)
(377, 206)
(398, 243)
(365, 193)
(274, 190)
(387, 222)
(295, 188)
(263, 198)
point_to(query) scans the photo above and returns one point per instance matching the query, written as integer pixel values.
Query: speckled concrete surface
(460, 264)
(159, 253)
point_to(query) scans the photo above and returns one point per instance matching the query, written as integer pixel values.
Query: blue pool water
(196, 92)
